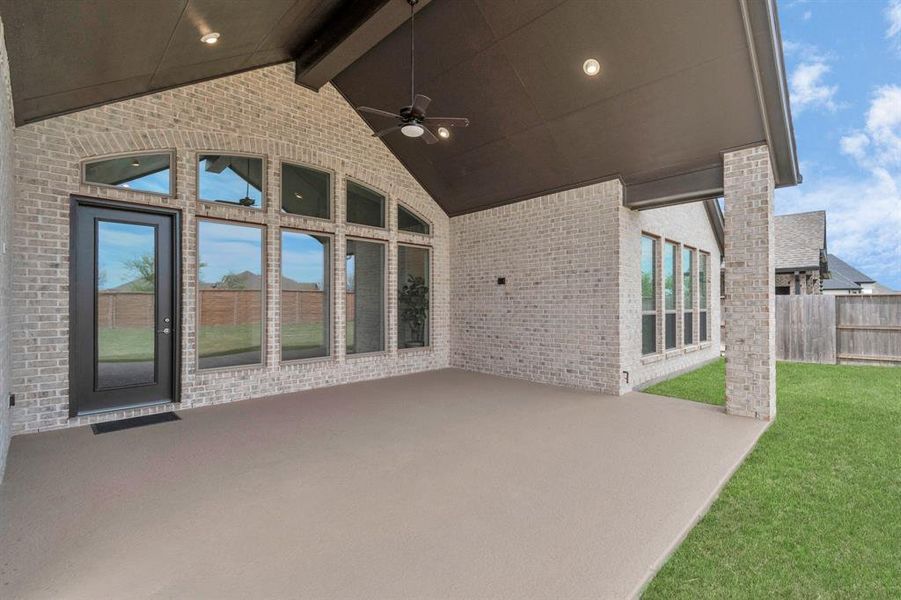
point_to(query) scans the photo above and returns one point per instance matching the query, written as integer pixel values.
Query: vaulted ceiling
(680, 82)
(676, 88)
(70, 54)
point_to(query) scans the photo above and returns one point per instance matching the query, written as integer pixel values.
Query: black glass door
(123, 335)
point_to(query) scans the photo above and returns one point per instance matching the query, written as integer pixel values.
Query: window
(138, 172)
(305, 289)
(688, 294)
(669, 294)
(364, 206)
(306, 191)
(412, 296)
(703, 262)
(228, 179)
(365, 306)
(648, 295)
(407, 221)
(230, 294)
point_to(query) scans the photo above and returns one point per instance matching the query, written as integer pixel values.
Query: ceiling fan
(412, 119)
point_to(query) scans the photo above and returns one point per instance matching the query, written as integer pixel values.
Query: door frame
(77, 200)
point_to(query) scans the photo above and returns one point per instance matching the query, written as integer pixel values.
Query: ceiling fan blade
(386, 131)
(447, 121)
(427, 136)
(376, 111)
(420, 103)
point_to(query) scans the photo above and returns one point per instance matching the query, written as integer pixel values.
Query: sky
(226, 248)
(303, 258)
(843, 63)
(155, 182)
(117, 244)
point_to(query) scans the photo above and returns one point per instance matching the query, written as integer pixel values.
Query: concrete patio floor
(447, 484)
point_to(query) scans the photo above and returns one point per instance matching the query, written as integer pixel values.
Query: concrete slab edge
(696, 518)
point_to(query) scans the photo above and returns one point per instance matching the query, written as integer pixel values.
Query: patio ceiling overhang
(680, 83)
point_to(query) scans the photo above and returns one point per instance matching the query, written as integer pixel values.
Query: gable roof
(837, 265)
(837, 281)
(800, 240)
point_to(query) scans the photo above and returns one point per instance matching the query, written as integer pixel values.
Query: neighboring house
(845, 279)
(800, 253)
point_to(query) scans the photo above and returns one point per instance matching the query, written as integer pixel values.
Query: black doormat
(121, 424)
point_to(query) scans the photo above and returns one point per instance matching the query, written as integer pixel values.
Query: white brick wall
(571, 259)
(685, 224)
(555, 319)
(570, 313)
(7, 194)
(261, 112)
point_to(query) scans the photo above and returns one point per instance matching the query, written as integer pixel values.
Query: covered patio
(445, 484)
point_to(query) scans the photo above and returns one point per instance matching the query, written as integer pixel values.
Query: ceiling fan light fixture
(591, 67)
(413, 130)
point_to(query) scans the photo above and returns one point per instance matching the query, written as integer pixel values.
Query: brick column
(750, 284)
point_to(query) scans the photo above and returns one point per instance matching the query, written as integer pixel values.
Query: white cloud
(878, 146)
(863, 213)
(863, 220)
(807, 88)
(855, 145)
(884, 124)
(893, 33)
(807, 15)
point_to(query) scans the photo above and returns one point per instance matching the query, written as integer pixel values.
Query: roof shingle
(800, 240)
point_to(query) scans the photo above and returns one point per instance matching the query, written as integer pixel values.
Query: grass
(815, 510)
(136, 343)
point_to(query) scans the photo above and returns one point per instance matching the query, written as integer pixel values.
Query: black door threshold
(141, 421)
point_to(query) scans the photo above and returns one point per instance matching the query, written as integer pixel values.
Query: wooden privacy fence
(868, 329)
(854, 329)
(218, 307)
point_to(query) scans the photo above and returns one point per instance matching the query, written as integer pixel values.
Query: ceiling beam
(676, 189)
(354, 30)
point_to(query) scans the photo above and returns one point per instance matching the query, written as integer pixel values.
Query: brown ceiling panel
(676, 89)
(243, 31)
(457, 20)
(668, 123)
(177, 75)
(636, 43)
(63, 46)
(87, 96)
(506, 17)
(67, 55)
(529, 149)
(677, 85)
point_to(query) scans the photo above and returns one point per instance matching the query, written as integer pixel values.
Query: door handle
(165, 330)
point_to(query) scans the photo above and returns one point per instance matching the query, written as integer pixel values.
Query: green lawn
(136, 343)
(815, 510)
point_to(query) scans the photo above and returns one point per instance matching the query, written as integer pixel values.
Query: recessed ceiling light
(136, 163)
(210, 38)
(298, 195)
(591, 67)
(443, 133)
(413, 130)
